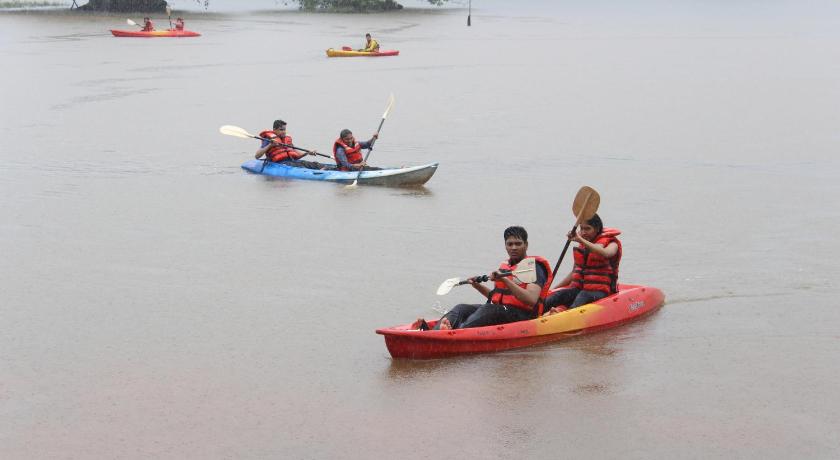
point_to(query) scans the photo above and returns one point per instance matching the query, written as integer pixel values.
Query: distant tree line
(152, 6)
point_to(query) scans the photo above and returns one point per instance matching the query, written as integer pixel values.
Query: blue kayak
(411, 176)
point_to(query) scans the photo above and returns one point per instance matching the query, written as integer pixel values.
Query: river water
(159, 302)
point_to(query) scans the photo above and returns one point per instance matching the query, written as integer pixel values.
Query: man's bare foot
(445, 324)
(555, 310)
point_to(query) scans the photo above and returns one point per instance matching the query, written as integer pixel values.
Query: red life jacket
(148, 26)
(179, 25)
(354, 154)
(278, 153)
(502, 295)
(593, 272)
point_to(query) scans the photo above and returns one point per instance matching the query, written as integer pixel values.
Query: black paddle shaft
(292, 146)
(484, 278)
(562, 254)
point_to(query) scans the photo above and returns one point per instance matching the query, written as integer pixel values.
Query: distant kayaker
(371, 45)
(595, 273)
(509, 300)
(179, 24)
(147, 25)
(348, 152)
(277, 146)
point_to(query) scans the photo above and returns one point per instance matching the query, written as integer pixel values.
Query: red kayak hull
(630, 303)
(155, 33)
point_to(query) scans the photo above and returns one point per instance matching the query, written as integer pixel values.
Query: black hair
(595, 221)
(517, 232)
(279, 123)
(367, 35)
(344, 132)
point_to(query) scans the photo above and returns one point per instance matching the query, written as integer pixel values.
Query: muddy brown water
(158, 302)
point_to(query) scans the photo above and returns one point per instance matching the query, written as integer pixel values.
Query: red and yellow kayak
(630, 303)
(155, 33)
(350, 53)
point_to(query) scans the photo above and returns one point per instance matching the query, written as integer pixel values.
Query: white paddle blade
(130, 22)
(526, 271)
(390, 104)
(447, 286)
(235, 131)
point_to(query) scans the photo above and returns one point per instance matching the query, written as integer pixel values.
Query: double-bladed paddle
(584, 207)
(370, 149)
(526, 272)
(236, 131)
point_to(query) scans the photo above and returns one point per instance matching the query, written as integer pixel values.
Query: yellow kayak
(345, 53)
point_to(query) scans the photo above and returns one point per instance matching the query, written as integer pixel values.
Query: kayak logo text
(637, 305)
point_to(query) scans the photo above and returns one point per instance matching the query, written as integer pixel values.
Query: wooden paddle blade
(447, 286)
(586, 204)
(235, 131)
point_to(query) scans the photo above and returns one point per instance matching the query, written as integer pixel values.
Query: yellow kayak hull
(343, 53)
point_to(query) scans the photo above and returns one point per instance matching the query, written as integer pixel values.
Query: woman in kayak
(371, 45)
(509, 300)
(147, 25)
(179, 24)
(595, 274)
(348, 152)
(277, 146)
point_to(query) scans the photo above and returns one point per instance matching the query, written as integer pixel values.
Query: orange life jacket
(179, 25)
(278, 153)
(354, 154)
(502, 295)
(593, 272)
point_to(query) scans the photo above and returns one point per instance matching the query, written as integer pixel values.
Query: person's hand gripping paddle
(364, 162)
(526, 272)
(584, 207)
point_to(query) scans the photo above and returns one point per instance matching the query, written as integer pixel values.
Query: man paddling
(371, 45)
(348, 152)
(147, 25)
(277, 146)
(510, 299)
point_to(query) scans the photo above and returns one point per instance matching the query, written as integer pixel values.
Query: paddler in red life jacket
(147, 25)
(509, 299)
(595, 274)
(179, 24)
(371, 45)
(348, 153)
(277, 146)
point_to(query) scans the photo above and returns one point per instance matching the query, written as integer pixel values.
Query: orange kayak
(630, 303)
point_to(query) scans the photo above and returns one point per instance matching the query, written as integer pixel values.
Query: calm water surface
(158, 302)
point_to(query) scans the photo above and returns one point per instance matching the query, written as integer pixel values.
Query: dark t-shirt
(542, 275)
